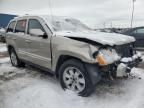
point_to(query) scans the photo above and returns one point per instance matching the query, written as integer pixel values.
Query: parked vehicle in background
(79, 56)
(2, 35)
(138, 34)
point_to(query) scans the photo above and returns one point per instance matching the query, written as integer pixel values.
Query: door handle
(28, 41)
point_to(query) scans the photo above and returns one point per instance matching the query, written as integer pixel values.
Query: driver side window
(34, 24)
(134, 32)
(140, 31)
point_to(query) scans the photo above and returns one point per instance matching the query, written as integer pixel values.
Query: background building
(5, 18)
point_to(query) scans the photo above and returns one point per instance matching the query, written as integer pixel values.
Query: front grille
(125, 50)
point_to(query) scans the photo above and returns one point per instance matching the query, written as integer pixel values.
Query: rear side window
(34, 24)
(21, 26)
(11, 26)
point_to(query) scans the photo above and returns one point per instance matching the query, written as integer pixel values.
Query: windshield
(67, 24)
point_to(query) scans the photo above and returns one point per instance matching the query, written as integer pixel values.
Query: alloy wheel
(14, 59)
(74, 79)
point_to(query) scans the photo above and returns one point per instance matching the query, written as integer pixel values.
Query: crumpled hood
(99, 37)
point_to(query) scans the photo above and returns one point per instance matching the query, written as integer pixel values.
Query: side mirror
(38, 32)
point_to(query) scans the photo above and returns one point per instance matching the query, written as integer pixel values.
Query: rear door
(39, 48)
(20, 37)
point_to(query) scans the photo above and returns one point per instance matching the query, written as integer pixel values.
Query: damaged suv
(79, 56)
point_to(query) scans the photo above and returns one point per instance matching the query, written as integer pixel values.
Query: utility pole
(51, 11)
(133, 7)
(104, 24)
(111, 24)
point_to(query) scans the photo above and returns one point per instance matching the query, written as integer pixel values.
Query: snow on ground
(32, 88)
(4, 60)
(3, 47)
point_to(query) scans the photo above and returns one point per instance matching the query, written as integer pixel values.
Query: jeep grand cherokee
(79, 56)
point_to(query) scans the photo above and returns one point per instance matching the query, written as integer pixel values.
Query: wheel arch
(92, 69)
(61, 60)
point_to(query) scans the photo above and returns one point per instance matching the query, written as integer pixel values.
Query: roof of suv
(48, 19)
(25, 17)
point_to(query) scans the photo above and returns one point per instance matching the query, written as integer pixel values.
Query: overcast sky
(95, 13)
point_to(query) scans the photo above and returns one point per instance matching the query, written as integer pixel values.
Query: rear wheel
(73, 76)
(15, 60)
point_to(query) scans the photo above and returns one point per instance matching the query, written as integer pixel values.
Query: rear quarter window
(11, 26)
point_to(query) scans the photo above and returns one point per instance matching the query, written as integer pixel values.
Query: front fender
(73, 48)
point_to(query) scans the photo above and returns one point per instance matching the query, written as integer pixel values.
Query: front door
(39, 50)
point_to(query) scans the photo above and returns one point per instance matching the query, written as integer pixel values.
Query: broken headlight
(107, 56)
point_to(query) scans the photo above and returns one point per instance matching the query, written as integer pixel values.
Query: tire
(78, 80)
(15, 61)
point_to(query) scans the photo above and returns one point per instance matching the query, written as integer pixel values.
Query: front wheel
(73, 76)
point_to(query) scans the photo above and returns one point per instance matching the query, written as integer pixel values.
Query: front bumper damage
(119, 69)
(126, 64)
